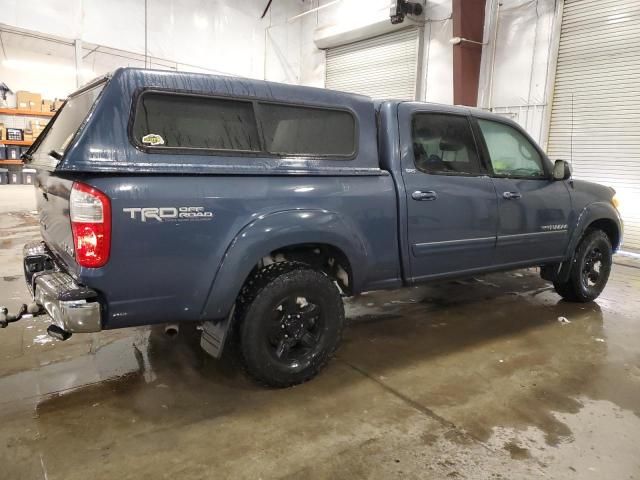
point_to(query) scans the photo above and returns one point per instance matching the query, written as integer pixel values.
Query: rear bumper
(72, 307)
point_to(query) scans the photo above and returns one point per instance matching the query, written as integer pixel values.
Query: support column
(468, 23)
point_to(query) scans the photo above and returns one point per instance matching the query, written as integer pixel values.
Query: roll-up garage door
(596, 104)
(381, 67)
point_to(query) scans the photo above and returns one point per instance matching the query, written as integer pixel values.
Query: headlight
(616, 201)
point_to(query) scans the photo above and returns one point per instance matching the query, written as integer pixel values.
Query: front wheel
(290, 319)
(590, 269)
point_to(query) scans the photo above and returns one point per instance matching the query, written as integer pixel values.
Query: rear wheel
(590, 269)
(289, 320)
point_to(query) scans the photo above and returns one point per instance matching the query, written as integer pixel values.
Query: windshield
(67, 122)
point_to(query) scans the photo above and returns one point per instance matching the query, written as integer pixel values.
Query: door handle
(424, 196)
(511, 195)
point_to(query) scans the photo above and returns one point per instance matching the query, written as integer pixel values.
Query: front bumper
(72, 307)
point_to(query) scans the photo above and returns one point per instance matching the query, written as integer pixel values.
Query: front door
(533, 208)
(451, 201)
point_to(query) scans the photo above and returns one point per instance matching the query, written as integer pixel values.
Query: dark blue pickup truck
(253, 207)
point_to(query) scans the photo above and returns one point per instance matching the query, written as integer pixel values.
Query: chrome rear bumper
(72, 307)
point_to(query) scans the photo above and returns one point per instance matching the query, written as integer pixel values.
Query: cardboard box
(22, 100)
(28, 100)
(37, 126)
(35, 100)
(28, 135)
(3, 134)
(38, 123)
(46, 106)
(57, 103)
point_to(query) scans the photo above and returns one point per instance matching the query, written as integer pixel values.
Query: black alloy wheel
(590, 268)
(297, 329)
(289, 319)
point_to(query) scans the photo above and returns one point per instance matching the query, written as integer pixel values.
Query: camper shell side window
(184, 123)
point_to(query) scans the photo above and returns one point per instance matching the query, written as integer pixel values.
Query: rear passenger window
(293, 130)
(443, 144)
(182, 121)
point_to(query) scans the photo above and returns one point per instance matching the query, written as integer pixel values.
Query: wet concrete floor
(468, 379)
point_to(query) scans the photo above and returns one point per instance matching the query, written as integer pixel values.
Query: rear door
(533, 208)
(451, 201)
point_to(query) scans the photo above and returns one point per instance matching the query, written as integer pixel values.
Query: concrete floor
(471, 379)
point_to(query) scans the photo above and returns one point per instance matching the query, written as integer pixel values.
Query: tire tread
(251, 290)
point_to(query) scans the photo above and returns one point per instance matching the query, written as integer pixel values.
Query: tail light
(90, 212)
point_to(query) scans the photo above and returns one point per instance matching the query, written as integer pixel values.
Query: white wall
(225, 36)
(519, 57)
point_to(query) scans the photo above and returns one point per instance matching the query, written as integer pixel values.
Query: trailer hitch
(32, 310)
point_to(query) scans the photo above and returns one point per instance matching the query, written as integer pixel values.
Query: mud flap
(214, 335)
(557, 272)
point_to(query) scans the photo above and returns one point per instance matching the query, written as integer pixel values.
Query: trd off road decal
(169, 214)
(153, 139)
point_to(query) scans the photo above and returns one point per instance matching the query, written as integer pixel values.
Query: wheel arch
(297, 231)
(610, 228)
(601, 215)
(598, 215)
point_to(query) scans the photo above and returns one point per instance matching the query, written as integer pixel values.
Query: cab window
(510, 153)
(443, 144)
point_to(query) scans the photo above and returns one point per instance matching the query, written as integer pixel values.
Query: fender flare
(278, 230)
(589, 214)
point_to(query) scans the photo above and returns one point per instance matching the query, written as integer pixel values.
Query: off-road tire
(575, 289)
(255, 307)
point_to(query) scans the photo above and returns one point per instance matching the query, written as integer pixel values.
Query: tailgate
(52, 197)
(52, 191)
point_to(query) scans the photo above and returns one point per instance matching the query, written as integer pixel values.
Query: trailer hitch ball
(6, 319)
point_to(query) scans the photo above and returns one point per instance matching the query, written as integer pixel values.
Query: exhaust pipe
(58, 333)
(171, 330)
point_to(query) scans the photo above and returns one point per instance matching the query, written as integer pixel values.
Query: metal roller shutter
(595, 116)
(381, 67)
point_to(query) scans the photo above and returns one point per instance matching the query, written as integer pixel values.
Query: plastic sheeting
(516, 60)
(223, 36)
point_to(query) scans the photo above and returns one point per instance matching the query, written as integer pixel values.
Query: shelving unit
(25, 113)
(20, 143)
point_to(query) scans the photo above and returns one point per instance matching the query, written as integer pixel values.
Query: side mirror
(561, 170)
